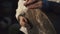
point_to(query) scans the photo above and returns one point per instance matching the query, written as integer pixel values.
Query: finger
(24, 19)
(29, 2)
(22, 23)
(36, 5)
(26, 0)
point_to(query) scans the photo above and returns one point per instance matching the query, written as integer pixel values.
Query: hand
(31, 5)
(22, 21)
(29, 1)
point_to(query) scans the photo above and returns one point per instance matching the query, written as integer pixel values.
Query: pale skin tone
(37, 4)
(22, 21)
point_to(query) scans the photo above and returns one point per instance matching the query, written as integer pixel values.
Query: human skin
(22, 21)
(30, 4)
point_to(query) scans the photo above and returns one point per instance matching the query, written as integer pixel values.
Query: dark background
(7, 14)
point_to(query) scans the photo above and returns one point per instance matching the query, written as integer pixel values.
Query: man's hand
(23, 21)
(29, 1)
(33, 4)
